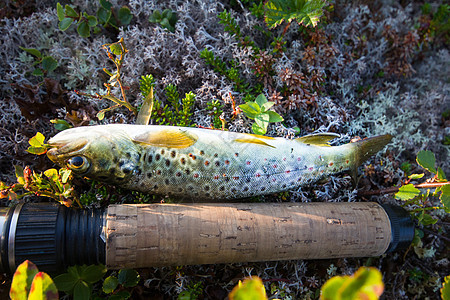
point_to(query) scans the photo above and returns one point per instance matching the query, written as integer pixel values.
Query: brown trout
(201, 163)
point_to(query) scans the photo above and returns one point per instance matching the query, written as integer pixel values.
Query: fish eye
(78, 163)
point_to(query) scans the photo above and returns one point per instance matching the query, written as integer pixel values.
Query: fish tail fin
(365, 149)
(368, 147)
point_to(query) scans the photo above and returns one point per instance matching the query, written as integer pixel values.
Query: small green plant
(259, 111)
(305, 12)
(116, 53)
(79, 280)
(366, 283)
(179, 111)
(167, 19)
(29, 283)
(193, 291)
(445, 290)
(215, 109)
(412, 194)
(251, 288)
(106, 15)
(43, 64)
(116, 285)
(55, 184)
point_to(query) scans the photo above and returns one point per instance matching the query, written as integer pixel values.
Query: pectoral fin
(252, 140)
(318, 139)
(167, 138)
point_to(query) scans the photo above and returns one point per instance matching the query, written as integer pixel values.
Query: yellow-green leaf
(445, 197)
(43, 288)
(37, 140)
(445, 290)
(407, 192)
(416, 176)
(251, 289)
(22, 280)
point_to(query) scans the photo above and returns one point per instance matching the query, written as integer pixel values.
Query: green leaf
(92, 21)
(93, 273)
(19, 171)
(250, 109)
(38, 72)
(441, 175)
(128, 277)
(122, 295)
(106, 4)
(266, 106)
(407, 192)
(110, 284)
(49, 64)
(427, 160)
(426, 219)
(37, 140)
(258, 130)
(65, 282)
(37, 150)
(262, 120)
(260, 100)
(32, 51)
(60, 12)
(70, 12)
(251, 288)
(43, 288)
(416, 176)
(83, 29)
(101, 115)
(274, 117)
(445, 197)
(445, 290)
(65, 23)
(81, 291)
(22, 280)
(116, 49)
(124, 15)
(60, 124)
(304, 12)
(65, 175)
(104, 15)
(52, 174)
(366, 283)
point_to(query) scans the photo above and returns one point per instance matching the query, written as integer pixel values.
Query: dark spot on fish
(149, 175)
(227, 162)
(202, 152)
(308, 145)
(206, 163)
(245, 189)
(126, 170)
(183, 161)
(248, 163)
(150, 158)
(206, 187)
(188, 172)
(236, 177)
(263, 189)
(207, 195)
(180, 189)
(163, 151)
(283, 186)
(157, 157)
(233, 190)
(190, 187)
(173, 154)
(247, 179)
(115, 160)
(217, 164)
(166, 181)
(192, 156)
(112, 170)
(158, 172)
(138, 171)
(178, 174)
(167, 163)
(155, 187)
(128, 154)
(227, 179)
(216, 177)
(215, 154)
(222, 188)
(236, 154)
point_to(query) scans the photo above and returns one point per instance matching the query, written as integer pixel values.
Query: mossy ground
(376, 67)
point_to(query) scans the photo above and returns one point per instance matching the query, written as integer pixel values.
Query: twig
(395, 189)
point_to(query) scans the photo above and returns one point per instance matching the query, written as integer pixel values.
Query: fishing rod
(150, 235)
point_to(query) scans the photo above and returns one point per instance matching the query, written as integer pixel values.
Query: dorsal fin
(252, 140)
(318, 139)
(170, 138)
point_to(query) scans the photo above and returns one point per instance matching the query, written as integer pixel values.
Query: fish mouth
(61, 150)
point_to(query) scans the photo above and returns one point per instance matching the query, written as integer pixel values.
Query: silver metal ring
(12, 237)
(3, 219)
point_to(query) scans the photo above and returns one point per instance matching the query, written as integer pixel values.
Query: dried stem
(395, 189)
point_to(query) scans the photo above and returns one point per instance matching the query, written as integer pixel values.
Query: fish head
(96, 152)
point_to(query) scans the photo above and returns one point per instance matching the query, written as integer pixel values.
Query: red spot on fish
(236, 177)
(310, 168)
(284, 158)
(347, 161)
(158, 172)
(206, 163)
(299, 158)
(227, 162)
(216, 177)
(249, 163)
(275, 166)
(192, 156)
(287, 172)
(330, 164)
(273, 179)
(265, 159)
(258, 175)
(178, 174)
(196, 175)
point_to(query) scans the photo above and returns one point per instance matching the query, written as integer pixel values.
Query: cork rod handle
(183, 234)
